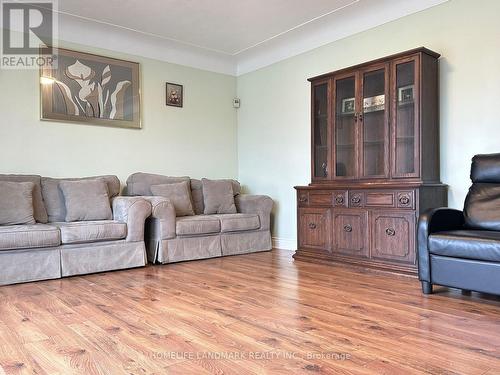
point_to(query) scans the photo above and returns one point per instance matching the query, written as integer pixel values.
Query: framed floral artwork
(174, 94)
(91, 89)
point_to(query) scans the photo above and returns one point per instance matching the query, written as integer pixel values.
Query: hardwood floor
(252, 314)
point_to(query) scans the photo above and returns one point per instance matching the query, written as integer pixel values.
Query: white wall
(274, 124)
(198, 140)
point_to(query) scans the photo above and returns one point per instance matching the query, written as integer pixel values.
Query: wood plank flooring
(251, 314)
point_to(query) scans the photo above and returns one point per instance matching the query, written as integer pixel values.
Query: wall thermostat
(236, 102)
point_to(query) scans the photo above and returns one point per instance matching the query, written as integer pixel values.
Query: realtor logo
(28, 34)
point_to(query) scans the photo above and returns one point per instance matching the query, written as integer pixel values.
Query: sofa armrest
(133, 211)
(256, 204)
(432, 221)
(161, 224)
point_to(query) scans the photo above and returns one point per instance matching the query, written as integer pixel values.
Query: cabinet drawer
(314, 228)
(393, 236)
(320, 198)
(350, 232)
(380, 199)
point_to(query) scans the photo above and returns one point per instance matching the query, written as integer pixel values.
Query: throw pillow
(218, 197)
(39, 211)
(86, 200)
(16, 203)
(179, 194)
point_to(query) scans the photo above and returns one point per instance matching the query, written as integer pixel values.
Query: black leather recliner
(462, 249)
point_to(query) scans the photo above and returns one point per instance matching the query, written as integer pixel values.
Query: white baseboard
(284, 243)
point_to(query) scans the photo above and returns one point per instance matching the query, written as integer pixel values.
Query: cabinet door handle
(356, 199)
(312, 226)
(360, 117)
(390, 231)
(339, 199)
(356, 117)
(347, 228)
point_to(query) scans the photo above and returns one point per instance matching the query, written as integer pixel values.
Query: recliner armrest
(441, 219)
(133, 211)
(256, 204)
(432, 221)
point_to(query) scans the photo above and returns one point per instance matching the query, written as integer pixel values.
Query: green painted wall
(198, 140)
(274, 124)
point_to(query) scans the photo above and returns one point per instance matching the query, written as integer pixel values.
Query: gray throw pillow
(39, 211)
(86, 200)
(16, 203)
(179, 194)
(218, 197)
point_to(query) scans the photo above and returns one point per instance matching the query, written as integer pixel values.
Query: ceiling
(226, 26)
(231, 37)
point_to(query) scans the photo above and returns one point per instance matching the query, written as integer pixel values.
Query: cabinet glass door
(374, 122)
(321, 134)
(405, 137)
(345, 127)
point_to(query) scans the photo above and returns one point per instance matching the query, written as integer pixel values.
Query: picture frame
(91, 89)
(174, 95)
(405, 94)
(374, 103)
(348, 106)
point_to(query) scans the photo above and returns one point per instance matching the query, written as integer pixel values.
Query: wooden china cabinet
(374, 162)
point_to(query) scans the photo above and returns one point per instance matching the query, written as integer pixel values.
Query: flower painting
(91, 89)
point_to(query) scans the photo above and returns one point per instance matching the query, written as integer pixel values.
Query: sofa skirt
(245, 242)
(181, 249)
(22, 266)
(101, 256)
(188, 248)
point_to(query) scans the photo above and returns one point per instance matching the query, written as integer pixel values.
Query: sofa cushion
(40, 213)
(199, 224)
(86, 200)
(238, 222)
(218, 197)
(140, 183)
(15, 237)
(16, 203)
(469, 244)
(92, 231)
(179, 194)
(54, 199)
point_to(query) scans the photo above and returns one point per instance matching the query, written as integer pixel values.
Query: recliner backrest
(482, 204)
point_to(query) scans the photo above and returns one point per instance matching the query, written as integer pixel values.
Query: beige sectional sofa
(52, 248)
(170, 238)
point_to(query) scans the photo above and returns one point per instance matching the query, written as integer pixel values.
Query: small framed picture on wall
(174, 95)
